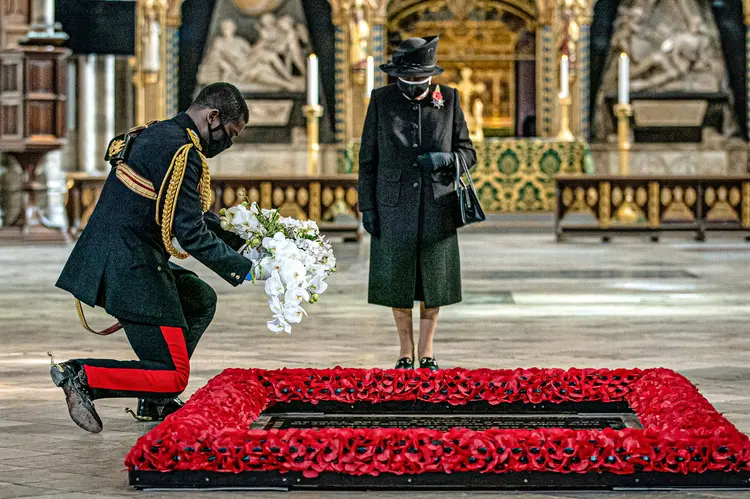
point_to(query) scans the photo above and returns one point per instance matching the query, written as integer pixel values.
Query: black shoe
(428, 363)
(156, 410)
(72, 379)
(405, 363)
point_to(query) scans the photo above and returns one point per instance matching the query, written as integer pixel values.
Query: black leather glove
(370, 222)
(436, 161)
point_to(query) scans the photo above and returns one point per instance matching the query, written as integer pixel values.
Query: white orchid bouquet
(290, 255)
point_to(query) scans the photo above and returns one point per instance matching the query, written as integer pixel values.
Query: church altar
(518, 175)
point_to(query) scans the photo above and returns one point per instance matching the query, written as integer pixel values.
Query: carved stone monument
(274, 62)
(261, 46)
(675, 52)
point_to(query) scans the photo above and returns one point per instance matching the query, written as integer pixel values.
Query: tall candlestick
(312, 80)
(370, 77)
(623, 79)
(564, 77)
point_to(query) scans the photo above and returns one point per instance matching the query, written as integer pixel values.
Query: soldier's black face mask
(215, 146)
(414, 89)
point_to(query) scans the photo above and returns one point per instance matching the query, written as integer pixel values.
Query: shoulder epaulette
(120, 146)
(170, 189)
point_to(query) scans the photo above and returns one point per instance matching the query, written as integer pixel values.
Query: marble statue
(151, 42)
(467, 89)
(478, 118)
(294, 37)
(683, 52)
(227, 54)
(627, 24)
(359, 32)
(674, 47)
(267, 65)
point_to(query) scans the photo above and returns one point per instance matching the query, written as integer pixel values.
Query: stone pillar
(69, 159)
(86, 110)
(341, 82)
(747, 70)
(379, 51)
(52, 172)
(582, 116)
(547, 80)
(105, 106)
(174, 21)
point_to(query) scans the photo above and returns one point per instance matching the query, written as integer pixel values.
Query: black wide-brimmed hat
(414, 57)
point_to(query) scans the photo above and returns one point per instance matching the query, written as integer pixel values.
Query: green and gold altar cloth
(518, 175)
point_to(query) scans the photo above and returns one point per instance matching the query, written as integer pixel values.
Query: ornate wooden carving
(651, 204)
(32, 108)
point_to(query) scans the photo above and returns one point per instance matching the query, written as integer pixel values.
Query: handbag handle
(462, 166)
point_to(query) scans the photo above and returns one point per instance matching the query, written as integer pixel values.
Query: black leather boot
(155, 410)
(72, 379)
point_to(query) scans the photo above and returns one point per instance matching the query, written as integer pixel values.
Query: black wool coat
(416, 256)
(120, 263)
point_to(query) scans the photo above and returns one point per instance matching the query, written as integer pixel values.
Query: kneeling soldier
(159, 188)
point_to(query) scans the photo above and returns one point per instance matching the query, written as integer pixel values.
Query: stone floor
(528, 302)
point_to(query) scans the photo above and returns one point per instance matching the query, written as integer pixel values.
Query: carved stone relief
(262, 54)
(674, 48)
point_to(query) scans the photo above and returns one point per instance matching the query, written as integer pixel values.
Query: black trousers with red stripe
(164, 352)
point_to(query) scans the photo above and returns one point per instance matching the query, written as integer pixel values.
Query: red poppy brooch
(437, 98)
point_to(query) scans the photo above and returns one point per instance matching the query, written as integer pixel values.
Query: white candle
(49, 15)
(564, 78)
(152, 51)
(370, 76)
(623, 79)
(312, 80)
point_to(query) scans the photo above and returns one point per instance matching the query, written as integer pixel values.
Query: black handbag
(468, 209)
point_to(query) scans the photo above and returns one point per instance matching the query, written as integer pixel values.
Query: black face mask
(215, 146)
(412, 90)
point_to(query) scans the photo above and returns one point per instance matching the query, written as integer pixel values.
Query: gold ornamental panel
(298, 197)
(517, 175)
(654, 203)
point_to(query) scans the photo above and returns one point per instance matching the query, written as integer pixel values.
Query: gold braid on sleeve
(177, 171)
(175, 175)
(204, 186)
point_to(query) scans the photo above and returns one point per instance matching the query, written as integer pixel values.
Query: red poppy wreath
(682, 432)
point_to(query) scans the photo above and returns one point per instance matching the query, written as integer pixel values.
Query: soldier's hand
(436, 161)
(370, 222)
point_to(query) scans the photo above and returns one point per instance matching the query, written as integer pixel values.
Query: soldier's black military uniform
(158, 188)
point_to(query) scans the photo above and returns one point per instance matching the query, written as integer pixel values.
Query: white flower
(240, 216)
(287, 250)
(275, 305)
(274, 286)
(292, 271)
(290, 254)
(318, 285)
(296, 294)
(293, 313)
(278, 325)
(267, 267)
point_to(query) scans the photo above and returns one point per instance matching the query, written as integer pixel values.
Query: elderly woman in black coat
(414, 137)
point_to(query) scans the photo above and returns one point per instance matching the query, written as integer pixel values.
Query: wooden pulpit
(33, 84)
